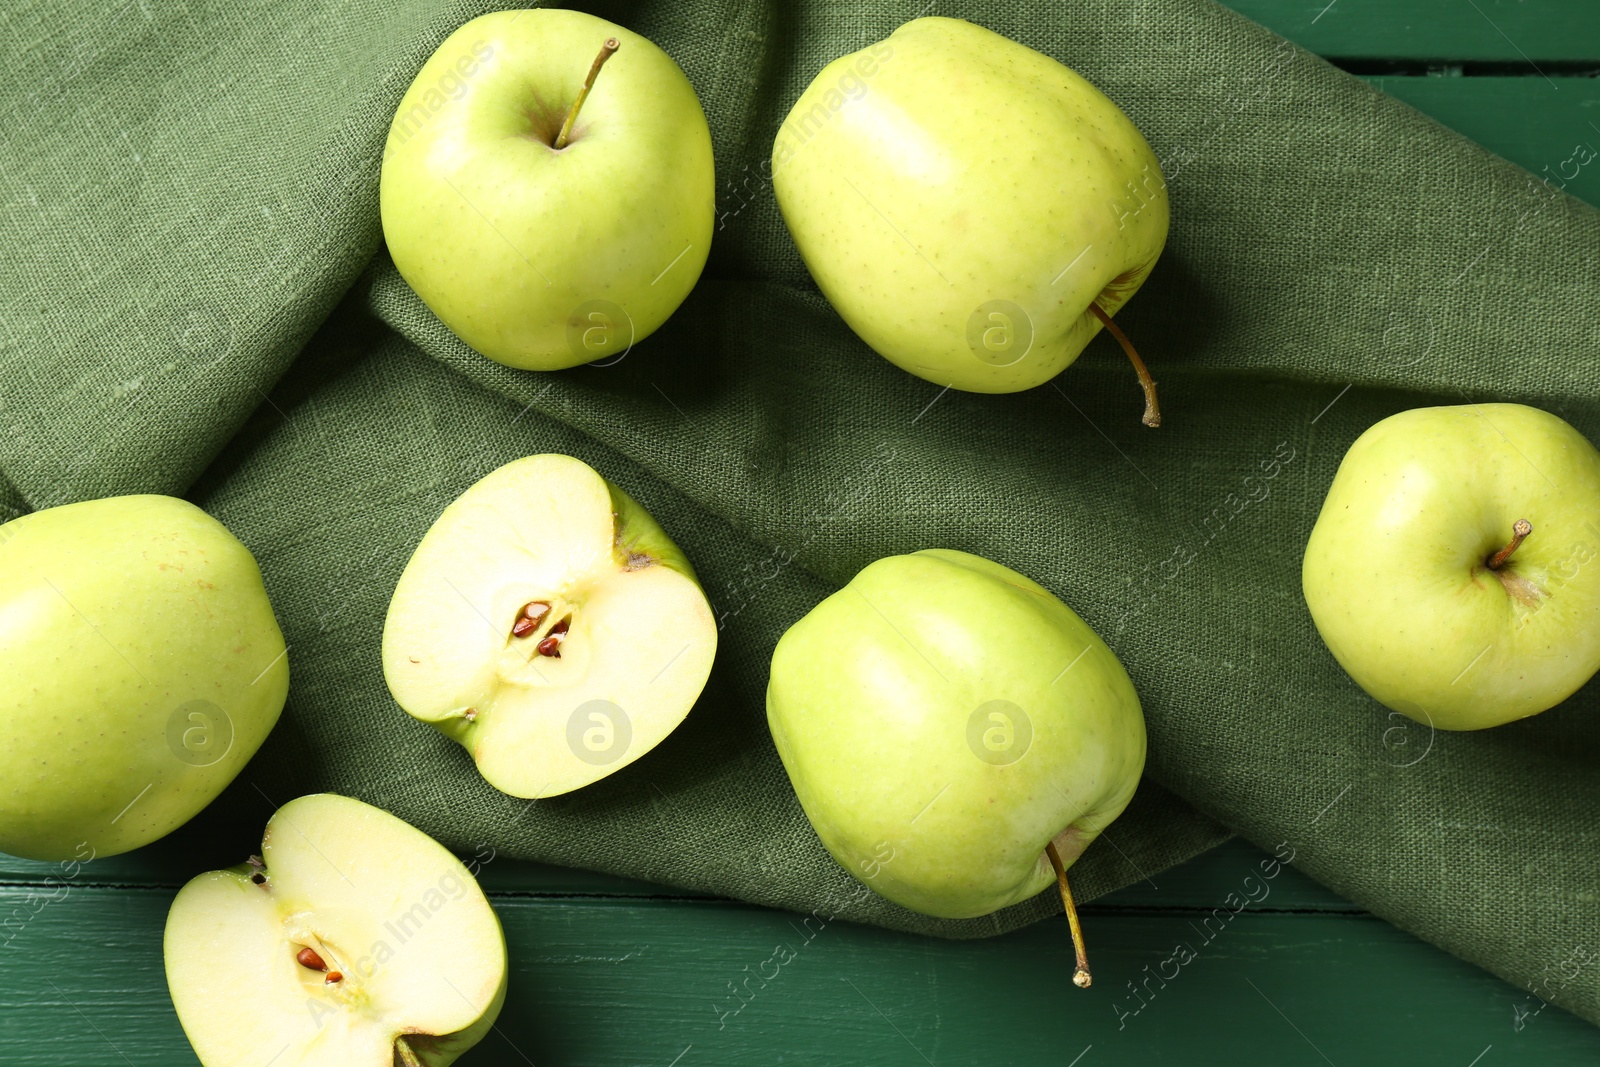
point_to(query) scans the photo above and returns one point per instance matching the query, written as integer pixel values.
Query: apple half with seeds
(548, 624)
(353, 940)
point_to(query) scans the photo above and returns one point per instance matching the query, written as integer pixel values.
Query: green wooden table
(1275, 971)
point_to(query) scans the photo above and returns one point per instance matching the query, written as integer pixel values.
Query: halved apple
(550, 625)
(353, 940)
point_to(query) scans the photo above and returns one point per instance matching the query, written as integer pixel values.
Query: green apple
(1451, 571)
(953, 730)
(353, 940)
(974, 210)
(548, 624)
(143, 668)
(544, 234)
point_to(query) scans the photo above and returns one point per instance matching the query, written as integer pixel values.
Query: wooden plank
(642, 982)
(1551, 129)
(1496, 31)
(169, 869)
(1203, 881)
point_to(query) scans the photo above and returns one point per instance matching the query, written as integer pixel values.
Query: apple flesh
(143, 668)
(353, 940)
(550, 625)
(542, 257)
(1397, 572)
(966, 204)
(944, 719)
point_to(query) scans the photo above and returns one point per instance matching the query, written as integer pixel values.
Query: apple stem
(606, 51)
(1519, 529)
(1152, 411)
(405, 1054)
(1080, 977)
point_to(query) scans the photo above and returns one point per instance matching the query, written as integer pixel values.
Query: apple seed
(334, 978)
(307, 957)
(529, 617)
(551, 645)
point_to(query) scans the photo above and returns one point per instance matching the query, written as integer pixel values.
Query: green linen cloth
(194, 300)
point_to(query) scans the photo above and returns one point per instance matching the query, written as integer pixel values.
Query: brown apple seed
(551, 645)
(529, 617)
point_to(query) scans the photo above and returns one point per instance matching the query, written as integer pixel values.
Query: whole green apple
(549, 218)
(948, 724)
(1451, 571)
(974, 210)
(548, 624)
(143, 669)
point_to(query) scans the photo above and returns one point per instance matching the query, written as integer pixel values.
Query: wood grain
(610, 981)
(1545, 32)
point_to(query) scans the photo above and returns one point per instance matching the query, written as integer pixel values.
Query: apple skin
(115, 615)
(1395, 570)
(543, 259)
(874, 700)
(946, 169)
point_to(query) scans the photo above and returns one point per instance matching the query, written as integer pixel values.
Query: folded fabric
(194, 301)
